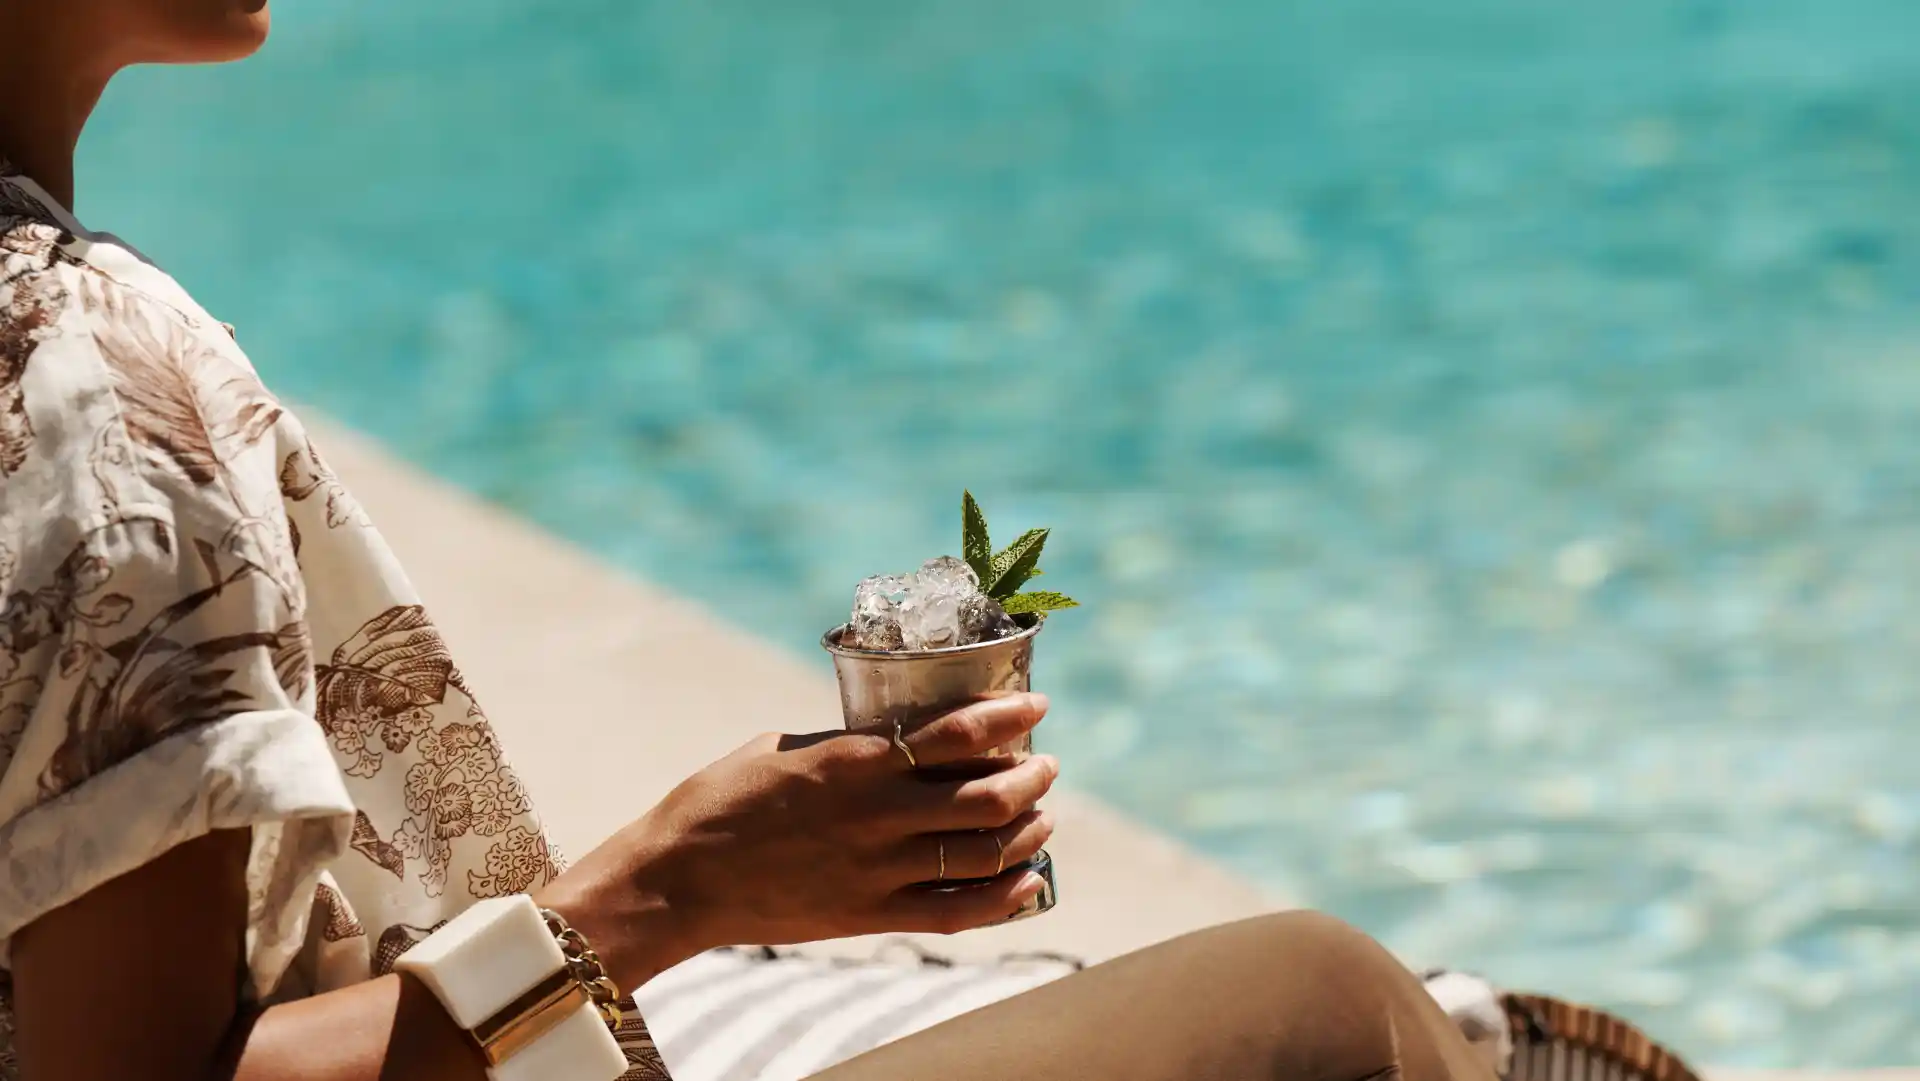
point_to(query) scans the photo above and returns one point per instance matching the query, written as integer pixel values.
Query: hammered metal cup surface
(910, 688)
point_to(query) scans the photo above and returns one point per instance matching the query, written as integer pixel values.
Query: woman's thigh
(1294, 996)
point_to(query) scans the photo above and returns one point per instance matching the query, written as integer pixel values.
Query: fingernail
(1040, 701)
(1030, 885)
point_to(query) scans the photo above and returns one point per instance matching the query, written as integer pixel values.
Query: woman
(240, 776)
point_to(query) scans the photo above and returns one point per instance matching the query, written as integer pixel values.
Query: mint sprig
(1003, 573)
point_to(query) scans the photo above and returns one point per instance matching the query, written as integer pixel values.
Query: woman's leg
(1291, 997)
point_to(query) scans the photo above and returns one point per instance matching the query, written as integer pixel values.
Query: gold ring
(901, 743)
(999, 855)
(942, 842)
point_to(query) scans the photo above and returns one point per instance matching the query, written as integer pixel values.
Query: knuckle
(799, 788)
(968, 726)
(970, 802)
(1030, 783)
(997, 802)
(1039, 776)
(865, 749)
(1033, 836)
(839, 758)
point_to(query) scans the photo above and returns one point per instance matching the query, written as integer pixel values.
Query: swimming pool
(1484, 433)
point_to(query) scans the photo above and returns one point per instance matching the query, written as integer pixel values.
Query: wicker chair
(1555, 1040)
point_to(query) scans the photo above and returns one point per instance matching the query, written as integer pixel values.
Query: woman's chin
(254, 20)
(204, 31)
(244, 31)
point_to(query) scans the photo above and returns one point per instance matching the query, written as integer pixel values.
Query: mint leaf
(1027, 603)
(1012, 567)
(1003, 574)
(975, 548)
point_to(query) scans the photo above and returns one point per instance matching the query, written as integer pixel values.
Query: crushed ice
(938, 606)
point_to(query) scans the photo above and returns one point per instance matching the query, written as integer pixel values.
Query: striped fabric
(735, 1015)
(746, 1015)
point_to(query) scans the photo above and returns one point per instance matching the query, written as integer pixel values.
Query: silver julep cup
(879, 689)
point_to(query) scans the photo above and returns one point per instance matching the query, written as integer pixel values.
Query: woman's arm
(143, 976)
(789, 839)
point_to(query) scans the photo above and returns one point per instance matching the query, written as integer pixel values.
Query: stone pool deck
(609, 691)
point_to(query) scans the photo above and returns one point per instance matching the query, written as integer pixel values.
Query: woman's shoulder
(114, 400)
(39, 236)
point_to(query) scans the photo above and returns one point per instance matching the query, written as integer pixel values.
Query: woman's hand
(800, 838)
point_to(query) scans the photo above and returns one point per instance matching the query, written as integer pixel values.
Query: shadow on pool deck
(609, 691)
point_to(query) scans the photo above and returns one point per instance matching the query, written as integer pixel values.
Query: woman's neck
(48, 89)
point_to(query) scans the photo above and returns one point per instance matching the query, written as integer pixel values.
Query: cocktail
(921, 645)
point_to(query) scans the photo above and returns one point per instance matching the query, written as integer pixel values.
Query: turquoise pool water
(1485, 433)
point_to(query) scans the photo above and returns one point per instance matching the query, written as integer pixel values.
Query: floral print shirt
(200, 630)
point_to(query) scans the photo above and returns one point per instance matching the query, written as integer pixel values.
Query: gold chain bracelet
(585, 966)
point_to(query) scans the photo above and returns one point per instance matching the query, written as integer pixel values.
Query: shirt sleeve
(158, 682)
(155, 666)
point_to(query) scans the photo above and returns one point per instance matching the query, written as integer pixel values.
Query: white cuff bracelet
(501, 974)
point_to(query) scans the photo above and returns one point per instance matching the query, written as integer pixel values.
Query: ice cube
(948, 573)
(983, 620)
(930, 612)
(930, 617)
(876, 612)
